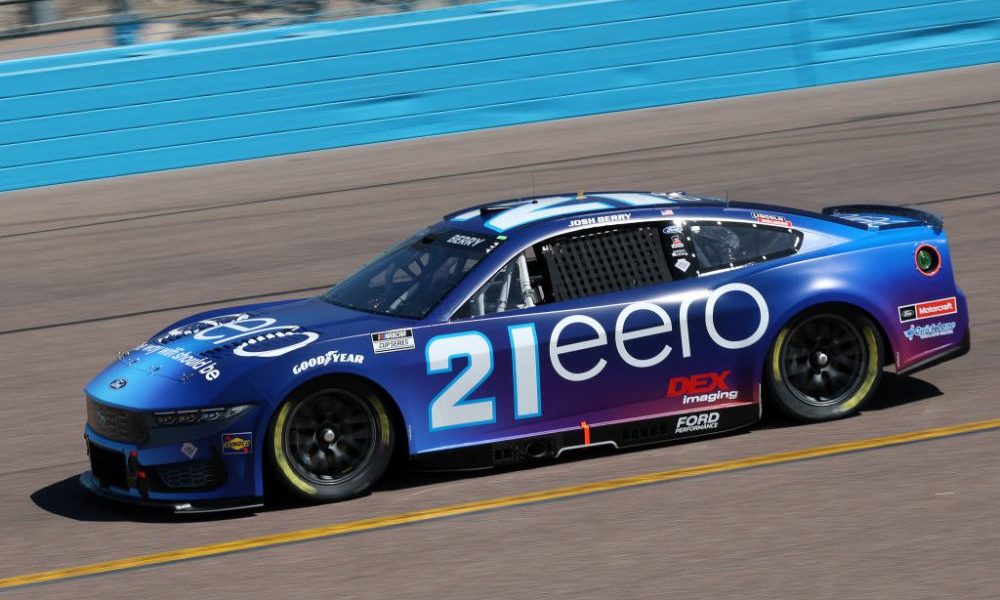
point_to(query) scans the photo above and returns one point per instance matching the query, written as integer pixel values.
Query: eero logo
(223, 329)
(456, 405)
(704, 387)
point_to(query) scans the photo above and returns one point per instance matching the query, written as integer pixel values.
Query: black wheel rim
(330, 436)
(824, 360)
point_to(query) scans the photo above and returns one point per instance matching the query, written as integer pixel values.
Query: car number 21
(452, 406)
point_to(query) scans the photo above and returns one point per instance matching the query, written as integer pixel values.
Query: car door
(560, 334)
(600, 325)
(479, 374)
(724, 308)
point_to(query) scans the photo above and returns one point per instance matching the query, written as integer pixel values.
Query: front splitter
(92, 485)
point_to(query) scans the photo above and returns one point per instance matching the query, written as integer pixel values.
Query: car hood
(210, 354)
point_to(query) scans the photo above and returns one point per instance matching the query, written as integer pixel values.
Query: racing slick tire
(824, 364)
(330, 441)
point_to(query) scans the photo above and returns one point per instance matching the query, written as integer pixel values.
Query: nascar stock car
(519, 330)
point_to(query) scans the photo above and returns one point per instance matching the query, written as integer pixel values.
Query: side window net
(605, 260)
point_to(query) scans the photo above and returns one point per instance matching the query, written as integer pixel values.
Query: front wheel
(330, 442)
(825, 365)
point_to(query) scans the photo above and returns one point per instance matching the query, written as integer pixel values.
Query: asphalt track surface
(90, 269)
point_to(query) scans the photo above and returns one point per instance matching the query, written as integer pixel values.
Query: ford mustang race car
(520, 330)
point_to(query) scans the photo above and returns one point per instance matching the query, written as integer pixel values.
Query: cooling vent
(649, 433)
(503, 455)
(115, 423)
(191, 475)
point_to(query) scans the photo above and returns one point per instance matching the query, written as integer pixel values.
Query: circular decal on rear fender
(928, 260)
(118, 384)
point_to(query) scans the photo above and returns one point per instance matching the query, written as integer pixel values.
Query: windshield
(411, 278)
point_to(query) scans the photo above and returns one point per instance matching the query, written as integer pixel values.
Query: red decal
(937, 308)
(703, 383)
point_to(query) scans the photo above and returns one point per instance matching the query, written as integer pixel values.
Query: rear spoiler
(876, 217)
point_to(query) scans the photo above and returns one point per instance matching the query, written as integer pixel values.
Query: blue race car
(520, 330)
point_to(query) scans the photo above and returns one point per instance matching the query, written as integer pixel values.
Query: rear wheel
(825, 365)
(330, 442)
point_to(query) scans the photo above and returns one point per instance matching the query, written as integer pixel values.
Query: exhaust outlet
(537, 449)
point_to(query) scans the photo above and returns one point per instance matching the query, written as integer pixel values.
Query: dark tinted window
(726, 245)
(412, 277)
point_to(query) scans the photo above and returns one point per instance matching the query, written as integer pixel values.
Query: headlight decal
(173, 418)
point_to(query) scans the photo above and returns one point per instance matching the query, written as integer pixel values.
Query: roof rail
(672, 199)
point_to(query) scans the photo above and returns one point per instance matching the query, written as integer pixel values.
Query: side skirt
(618, 435)
(950, 354)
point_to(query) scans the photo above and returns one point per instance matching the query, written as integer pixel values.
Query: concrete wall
(121, 111)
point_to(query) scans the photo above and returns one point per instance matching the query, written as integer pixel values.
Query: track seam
(432, 514)
(499, 169)
(153, 311)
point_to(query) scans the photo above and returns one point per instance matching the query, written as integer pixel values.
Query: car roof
(508, 216)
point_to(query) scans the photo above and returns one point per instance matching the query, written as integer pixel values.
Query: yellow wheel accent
(383, 421)
(802, 352)
(278, 443)
(776, 354)
(873, 367)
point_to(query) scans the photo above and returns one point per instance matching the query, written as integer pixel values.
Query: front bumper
(198, 475)
(96, 487)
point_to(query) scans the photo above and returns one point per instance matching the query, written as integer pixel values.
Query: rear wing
(876, 217)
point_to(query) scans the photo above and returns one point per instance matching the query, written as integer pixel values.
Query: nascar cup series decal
(391, 341)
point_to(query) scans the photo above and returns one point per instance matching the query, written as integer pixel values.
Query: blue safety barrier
(327, 85)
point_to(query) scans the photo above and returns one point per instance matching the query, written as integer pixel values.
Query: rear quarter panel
(876, 272)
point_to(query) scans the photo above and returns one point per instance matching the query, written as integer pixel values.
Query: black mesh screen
(605, 260)
(194, 474)
(114, 423)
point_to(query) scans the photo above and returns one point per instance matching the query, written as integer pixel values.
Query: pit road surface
(93, 268)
